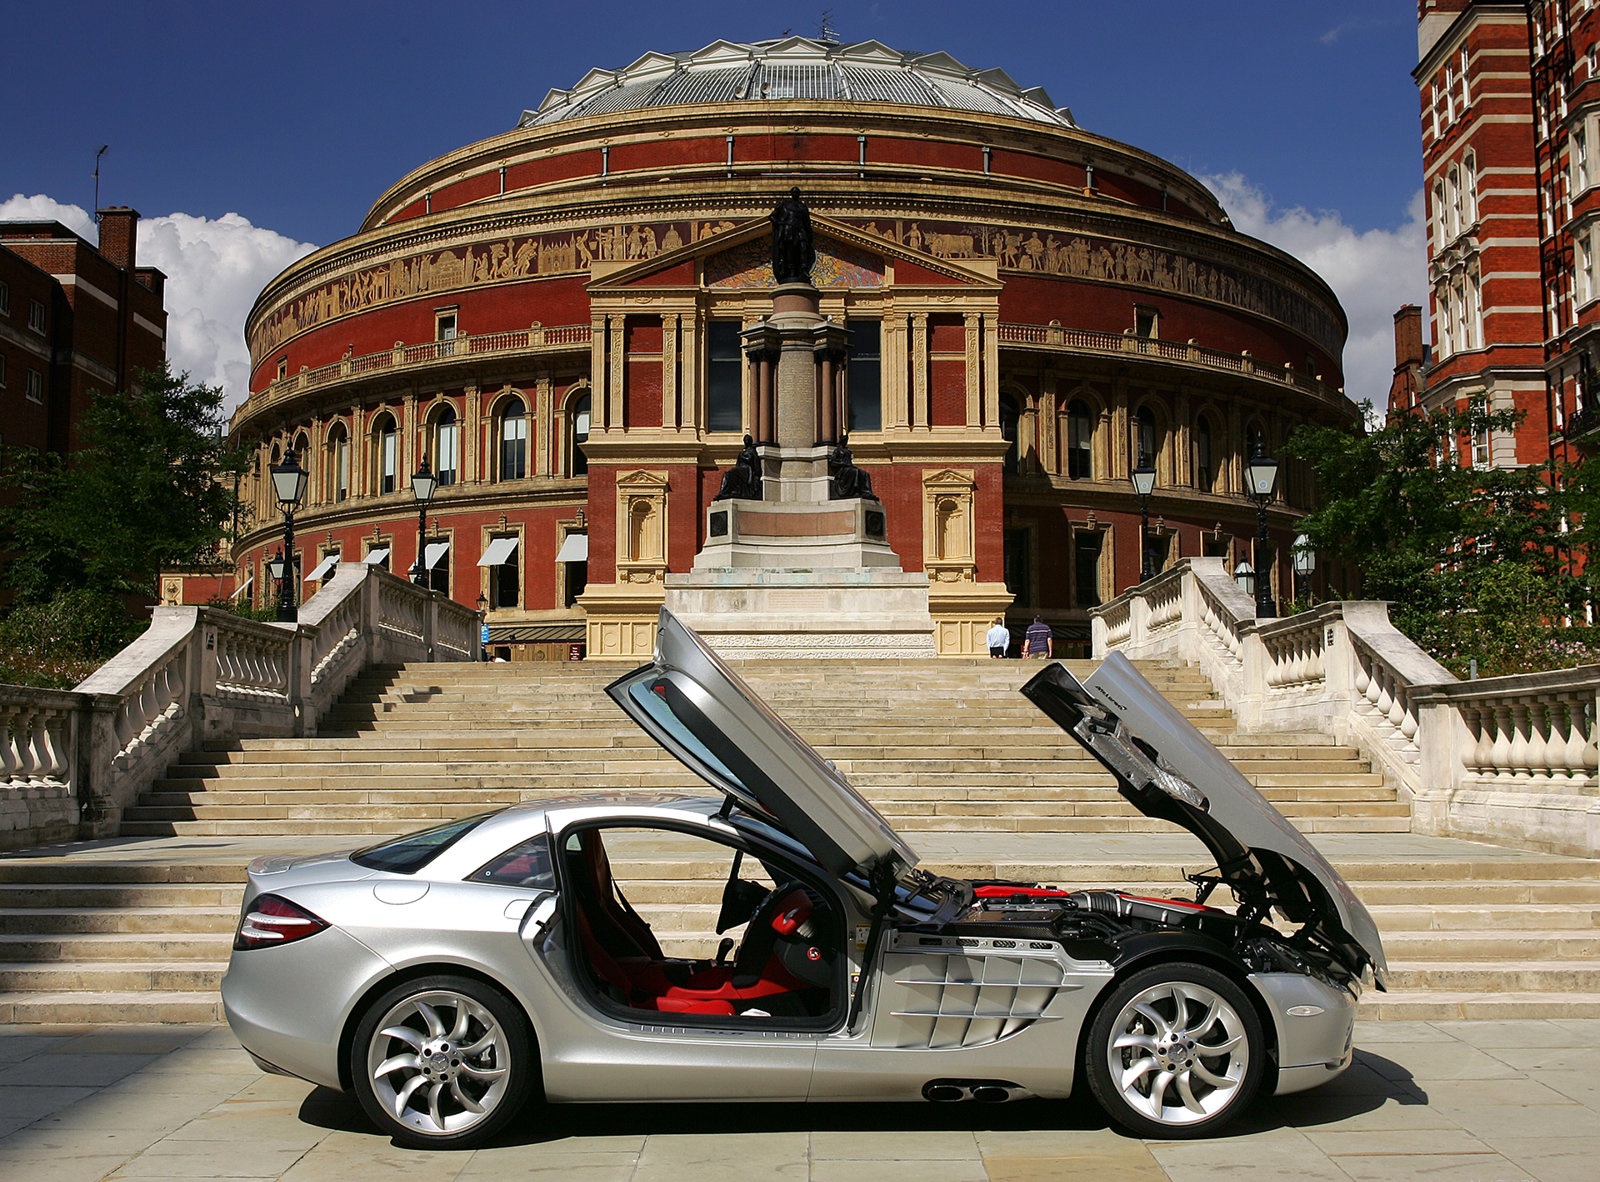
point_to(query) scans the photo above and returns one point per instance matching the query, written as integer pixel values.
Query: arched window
(1080, 441)
(385, 457)
(1205, 468)
(446, 446)
(1010, 415)
(578, 418)
(513, 440)
(338, 463)
(1469, 183)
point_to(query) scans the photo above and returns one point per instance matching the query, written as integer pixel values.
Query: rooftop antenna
(97, 156)
(825, 30)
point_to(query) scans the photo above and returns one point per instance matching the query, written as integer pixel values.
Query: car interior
(780, 936)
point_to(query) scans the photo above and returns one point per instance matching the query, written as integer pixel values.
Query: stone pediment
(733, 257)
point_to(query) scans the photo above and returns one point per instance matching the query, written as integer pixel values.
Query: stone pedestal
(795, 573)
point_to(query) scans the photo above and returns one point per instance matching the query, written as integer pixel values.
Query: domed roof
(798, 68)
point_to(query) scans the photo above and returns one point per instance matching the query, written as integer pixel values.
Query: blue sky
(247, 133)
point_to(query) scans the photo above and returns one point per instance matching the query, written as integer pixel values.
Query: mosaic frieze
(838, 264)
(1015, 249)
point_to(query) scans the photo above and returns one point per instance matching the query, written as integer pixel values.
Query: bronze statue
(743, 480)
(844, 478)
(793, 253)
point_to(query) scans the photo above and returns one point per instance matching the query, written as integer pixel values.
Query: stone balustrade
(1506, 759)
(72, 760)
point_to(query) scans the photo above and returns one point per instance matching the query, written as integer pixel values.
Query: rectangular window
(341, 469)
(5, 299)
(1580, 161)
(1480, 437)
(864, 377)
(283, 368)
(1019, 566)
(1146, 321)
(724, 376)
(444, 330)
(36, 316)
(448, 453)
(1086, 547)
(387, 468)
(35, 386)
(1466, 92)
(2, 371)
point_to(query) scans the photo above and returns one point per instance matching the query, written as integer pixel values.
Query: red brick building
(74, 319)
(1510, 130)
(552, 318)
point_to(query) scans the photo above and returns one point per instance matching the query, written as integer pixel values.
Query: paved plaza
(1496, 1101)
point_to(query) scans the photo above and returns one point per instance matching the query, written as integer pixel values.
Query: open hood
(1168, 769)
(701, 711)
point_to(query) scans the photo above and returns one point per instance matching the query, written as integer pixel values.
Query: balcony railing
(403, 358)
(1056, 337)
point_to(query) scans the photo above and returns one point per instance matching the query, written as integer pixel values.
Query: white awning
(500, 551)
(376, 556)
(245, 587)
(434, 552)
(575, 548)
(320, 571)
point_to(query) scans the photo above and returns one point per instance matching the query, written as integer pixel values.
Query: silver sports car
(448, 976)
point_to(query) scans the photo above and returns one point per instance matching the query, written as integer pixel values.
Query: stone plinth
(829, 613)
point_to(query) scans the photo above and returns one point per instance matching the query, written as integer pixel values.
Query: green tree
(148, 488)
(1472, 559)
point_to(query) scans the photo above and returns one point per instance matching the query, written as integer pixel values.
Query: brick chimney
(1407, 337)
(119, 231)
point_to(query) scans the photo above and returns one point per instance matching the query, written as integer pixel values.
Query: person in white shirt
(999, 638)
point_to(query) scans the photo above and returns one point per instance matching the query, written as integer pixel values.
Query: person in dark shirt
(1038, 641)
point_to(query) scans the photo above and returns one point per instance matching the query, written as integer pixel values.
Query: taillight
(273, 921)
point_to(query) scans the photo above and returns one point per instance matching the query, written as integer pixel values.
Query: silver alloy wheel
(439, 1062)
(1179, 1053)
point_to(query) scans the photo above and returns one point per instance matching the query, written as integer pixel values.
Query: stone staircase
(139, 932)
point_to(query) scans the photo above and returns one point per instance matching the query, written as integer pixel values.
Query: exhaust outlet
(944, 1093)
(991, 1094)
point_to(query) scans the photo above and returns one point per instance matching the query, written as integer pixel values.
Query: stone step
(119, 894)
(108, 976)
(1508, 945)
(82, 948)
(1525, 976)
(125, 1007)
(150, 920)
(1418, 917)
(1428, 1005)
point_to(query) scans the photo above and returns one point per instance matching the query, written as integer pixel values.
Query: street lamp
(1144, 483)
(423, 482)
(289, 486)
(1244, 577)
(1305, 561)
(1260, 474)
(275, 568)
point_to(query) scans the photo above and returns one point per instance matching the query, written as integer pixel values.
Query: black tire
(442, 1062)
(1174, 1050)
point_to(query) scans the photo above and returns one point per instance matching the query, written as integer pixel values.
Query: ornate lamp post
(1244, 577)
(275, 569)
(1260, 474)
(423, 482)
(289, 486)
(1305, 561)
(1144, 483)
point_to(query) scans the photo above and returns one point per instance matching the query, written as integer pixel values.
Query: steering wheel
(779, 916)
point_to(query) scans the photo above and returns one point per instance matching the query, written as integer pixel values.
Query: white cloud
(1373, 272)
(215, 269)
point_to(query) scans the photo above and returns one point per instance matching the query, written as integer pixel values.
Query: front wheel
(1175, 1050)
(441, 1062)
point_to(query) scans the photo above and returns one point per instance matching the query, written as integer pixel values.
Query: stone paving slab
(1508, 1101)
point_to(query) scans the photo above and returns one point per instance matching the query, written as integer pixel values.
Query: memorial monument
(796, 559)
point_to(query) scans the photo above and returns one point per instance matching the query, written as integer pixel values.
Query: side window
(724, 376)
(525, 865)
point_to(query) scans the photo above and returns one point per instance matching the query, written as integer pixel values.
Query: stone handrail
(1507, 759)
(1058, 338)
(403, 358)
(72, 761)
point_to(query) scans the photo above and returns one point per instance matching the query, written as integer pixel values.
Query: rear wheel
(1175, 1050)
(442, 1062)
